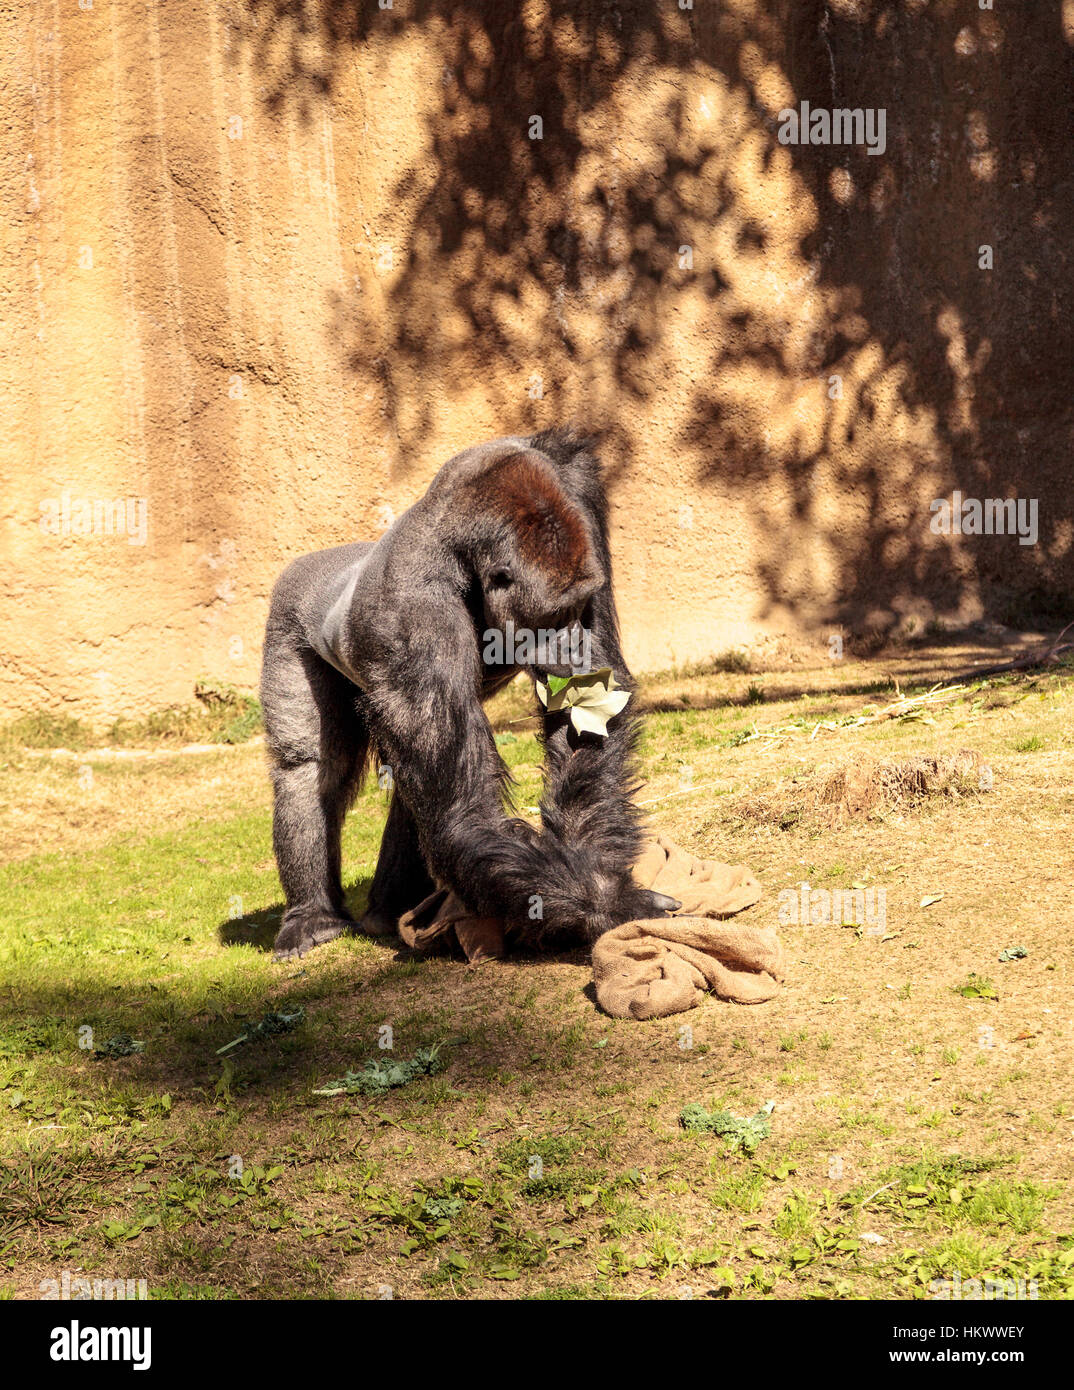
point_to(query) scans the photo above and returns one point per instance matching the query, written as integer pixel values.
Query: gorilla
(380, 651)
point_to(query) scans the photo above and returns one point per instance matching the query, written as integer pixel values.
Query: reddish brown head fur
(549, 528)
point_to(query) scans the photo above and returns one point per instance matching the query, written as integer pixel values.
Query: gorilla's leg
(401, 879)
(306, 824)
(317, 744)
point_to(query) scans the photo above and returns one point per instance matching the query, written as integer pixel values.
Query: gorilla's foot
(303, 928)
(377, 922)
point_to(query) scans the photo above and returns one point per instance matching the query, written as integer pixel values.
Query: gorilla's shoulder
(315, 571)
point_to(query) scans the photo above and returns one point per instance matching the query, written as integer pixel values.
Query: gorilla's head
(535, 560)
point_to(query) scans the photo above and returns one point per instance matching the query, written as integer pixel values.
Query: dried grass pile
(867, 788)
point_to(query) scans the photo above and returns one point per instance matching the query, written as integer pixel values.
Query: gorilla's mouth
(563, 651)
(561, 668)
(568, 655)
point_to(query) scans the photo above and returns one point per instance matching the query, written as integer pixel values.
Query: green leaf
(271, 1024)
(377, 1076)
(592, 699)
(123, 1045)
(741, 1134)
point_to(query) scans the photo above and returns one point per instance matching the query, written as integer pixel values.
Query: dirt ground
(922, 1121)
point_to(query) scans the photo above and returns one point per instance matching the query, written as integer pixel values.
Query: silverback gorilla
(378, 650)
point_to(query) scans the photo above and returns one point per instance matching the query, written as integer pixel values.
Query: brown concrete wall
(267, 264)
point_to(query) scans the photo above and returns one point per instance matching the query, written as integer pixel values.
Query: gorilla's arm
(590, 781)
(425, 715)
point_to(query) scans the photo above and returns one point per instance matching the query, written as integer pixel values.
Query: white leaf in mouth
(592, 699)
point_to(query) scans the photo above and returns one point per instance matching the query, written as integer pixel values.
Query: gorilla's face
(544, 625)
(534, 556)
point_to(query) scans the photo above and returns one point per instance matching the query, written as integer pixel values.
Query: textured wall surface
(267, 264)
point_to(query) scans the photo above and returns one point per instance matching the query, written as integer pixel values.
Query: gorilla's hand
(634, 903)
(646, 902)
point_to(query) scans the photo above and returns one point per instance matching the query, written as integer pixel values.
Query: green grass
(223, 714)
(546, 1160)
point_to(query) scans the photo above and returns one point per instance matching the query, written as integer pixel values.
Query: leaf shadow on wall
(659, 255)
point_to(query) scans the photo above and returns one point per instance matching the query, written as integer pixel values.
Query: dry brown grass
(868, 787)
(871, 1056)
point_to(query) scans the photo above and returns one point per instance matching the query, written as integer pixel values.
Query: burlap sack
(644, 969)
(650, 969)
(442, 918)
(704, 887)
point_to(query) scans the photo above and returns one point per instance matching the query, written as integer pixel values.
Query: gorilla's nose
(569, 653)
(577, 645)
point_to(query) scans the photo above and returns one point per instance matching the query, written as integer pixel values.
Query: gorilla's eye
(501, 579)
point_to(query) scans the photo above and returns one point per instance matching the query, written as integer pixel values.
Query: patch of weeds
(733, 661)
(223, 714)
(521, 1156)
(269, 1026)
(797, 1220)
(426, 1219)
(122, 1045)
(960, 1192)
(963, 1255)
(42, 1189)
(564, 1293)
(18, 1039)
(741, 1135)
(615, 1263)
(43, 729)
(562, 1184)
(545, 1163)
(518, 1250)
(976, 987)
(1018, 1206)
(849, 1118)
(663, 1255)
(628, 1218)
(377, 1076)
(744, 1192)
(758, 1281)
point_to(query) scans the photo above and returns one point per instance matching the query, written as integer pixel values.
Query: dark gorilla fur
(380, 647)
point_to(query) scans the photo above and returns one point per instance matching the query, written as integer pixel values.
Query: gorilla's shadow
(258, 929)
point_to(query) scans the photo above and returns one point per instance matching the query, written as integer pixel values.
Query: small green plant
(741, 1134)
(269, 1026)
(377, 1076)
(977, 987)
